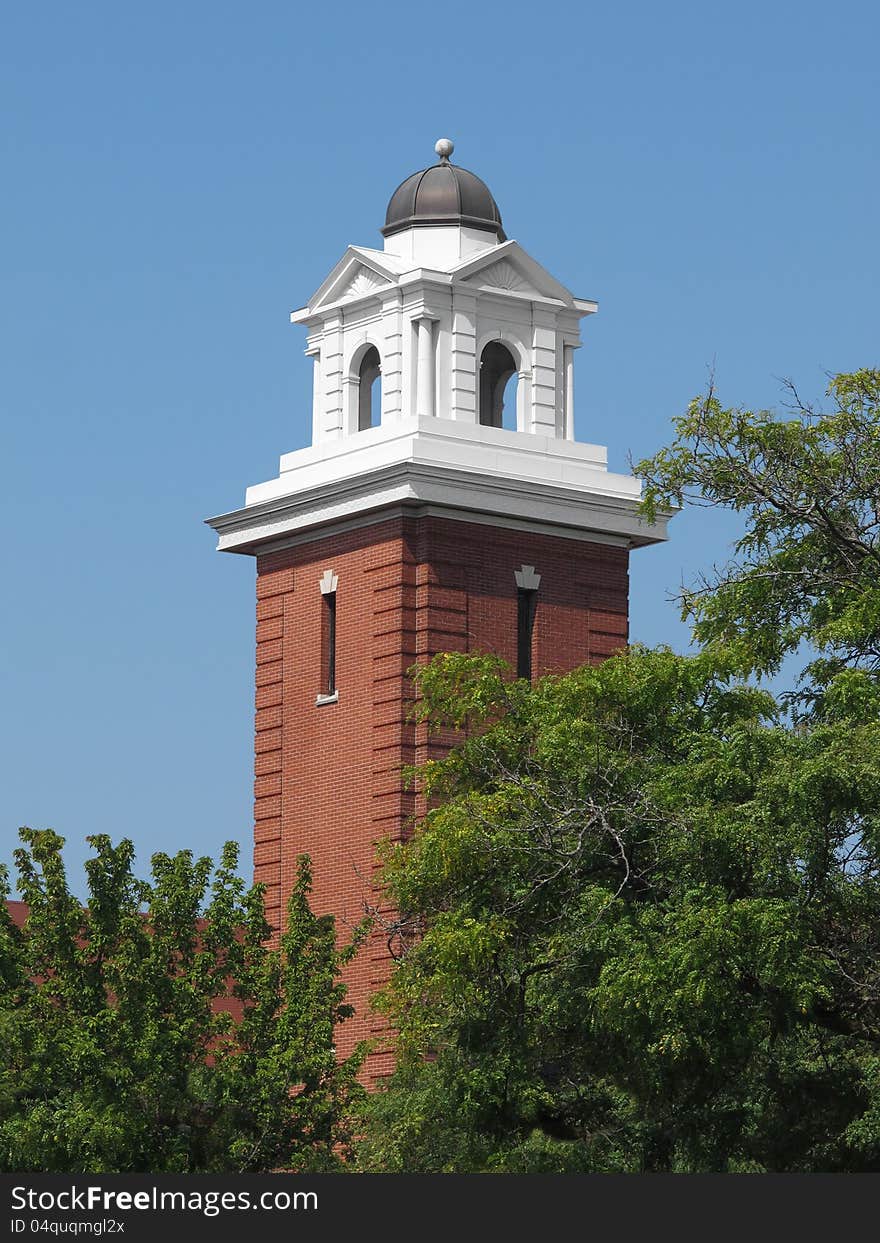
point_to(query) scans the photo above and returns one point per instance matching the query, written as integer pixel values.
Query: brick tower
(443, 505)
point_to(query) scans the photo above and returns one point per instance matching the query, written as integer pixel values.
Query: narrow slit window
(526, 604)
(329, 643)
(328, 692)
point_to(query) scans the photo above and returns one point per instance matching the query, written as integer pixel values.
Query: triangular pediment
(503, 275)
(509, 268)
(362, 281)
(356, 275)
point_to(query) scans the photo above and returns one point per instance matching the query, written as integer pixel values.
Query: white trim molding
(328, 582)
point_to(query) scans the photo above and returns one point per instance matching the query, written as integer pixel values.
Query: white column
(333, 412)
(425, 373)
(315, 355)
(392, 358)
(463, 356)
(544, 409)
(568, 422)
(350, 388)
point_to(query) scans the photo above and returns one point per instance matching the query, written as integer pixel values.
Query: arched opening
(508, 402)
(369, 389)
(498, 386)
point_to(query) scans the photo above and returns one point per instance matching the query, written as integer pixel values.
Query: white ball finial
(444, 147)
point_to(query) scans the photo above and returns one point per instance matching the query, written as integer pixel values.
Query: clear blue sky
(178, 177)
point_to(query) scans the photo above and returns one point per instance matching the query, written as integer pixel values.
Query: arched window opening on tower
(369, 390)
(498, 387)
(509, 403)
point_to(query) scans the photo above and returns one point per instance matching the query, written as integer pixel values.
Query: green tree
(642, 914)
(806, 569)
(154, 1030)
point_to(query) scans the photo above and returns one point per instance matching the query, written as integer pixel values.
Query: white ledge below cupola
(478, 474)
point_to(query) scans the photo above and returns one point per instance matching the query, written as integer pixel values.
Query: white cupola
(443, 375)
(447, 314)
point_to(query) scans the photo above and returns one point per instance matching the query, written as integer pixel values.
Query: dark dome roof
(443, 194)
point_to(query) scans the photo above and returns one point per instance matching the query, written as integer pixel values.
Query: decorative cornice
(454, 488)
(419, 509)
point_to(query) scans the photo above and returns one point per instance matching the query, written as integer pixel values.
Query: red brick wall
(328, 777)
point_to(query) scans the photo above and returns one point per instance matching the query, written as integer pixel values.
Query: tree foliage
(642, 913)
(806, 569)
(154, 1030)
